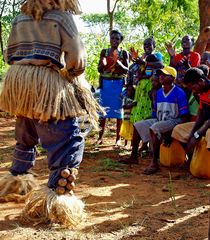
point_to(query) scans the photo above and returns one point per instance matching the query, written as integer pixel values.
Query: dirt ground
(121, 202)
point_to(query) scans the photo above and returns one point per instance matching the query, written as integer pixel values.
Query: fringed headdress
(37, 8)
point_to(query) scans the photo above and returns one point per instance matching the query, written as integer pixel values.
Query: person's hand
(109, 63)
(187, 62)
(191, 144)
(140, 61)
(134, 53)
(115, 56)
(170, 49)
(104, 61)
(184, 61)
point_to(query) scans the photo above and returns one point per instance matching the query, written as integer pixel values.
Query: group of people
(153, 102)
(47, 98)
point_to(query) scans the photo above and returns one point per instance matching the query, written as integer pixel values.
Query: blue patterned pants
(62, 140)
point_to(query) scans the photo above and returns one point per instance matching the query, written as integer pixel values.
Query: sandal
(151, 170)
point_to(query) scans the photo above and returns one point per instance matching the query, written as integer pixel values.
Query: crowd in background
(152, 101)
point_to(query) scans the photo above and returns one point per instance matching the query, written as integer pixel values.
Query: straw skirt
(38, 92)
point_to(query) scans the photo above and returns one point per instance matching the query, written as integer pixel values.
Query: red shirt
(194, 58)
(205, 99)
(205, 105)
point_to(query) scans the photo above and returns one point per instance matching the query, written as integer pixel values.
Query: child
(150, 59)
(155, 86)
(126, 130)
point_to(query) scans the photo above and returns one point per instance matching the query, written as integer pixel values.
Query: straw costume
(47, 97)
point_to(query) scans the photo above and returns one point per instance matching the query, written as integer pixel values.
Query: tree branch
(2, 9)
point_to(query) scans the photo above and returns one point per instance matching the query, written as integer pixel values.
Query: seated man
(190, 133)
(170, 109)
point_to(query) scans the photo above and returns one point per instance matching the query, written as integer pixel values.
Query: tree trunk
(111, 13)
(1, 38)
(203, 42)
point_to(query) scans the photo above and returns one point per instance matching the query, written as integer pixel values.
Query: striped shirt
(171, 105)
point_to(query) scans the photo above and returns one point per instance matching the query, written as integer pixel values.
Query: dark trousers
(62, 140)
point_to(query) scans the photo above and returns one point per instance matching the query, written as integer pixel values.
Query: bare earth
(121, 202)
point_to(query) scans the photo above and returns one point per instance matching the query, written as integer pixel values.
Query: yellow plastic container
(200, 163)
(173, 155)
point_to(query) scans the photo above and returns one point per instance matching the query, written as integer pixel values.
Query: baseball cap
(168, 71)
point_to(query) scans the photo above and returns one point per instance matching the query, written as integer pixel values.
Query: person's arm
(122, 66)
(154, 109)
(102, 61)
(130, 105)
(182, 105)
(204, 128)
(171, 51)
(199, 124)
(199, 121)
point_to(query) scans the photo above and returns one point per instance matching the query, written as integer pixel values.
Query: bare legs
(133, 159)
(102, 123)
(135, 146)
(119, 122)
(154, 165)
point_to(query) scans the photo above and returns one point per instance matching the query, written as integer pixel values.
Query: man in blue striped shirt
(170, 108)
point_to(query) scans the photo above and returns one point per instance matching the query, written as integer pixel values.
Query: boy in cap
(170, 108)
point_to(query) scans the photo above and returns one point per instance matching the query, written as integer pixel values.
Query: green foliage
(94, 44)
(3, 67)
(166, 20)
(95, 19)
(9, 9)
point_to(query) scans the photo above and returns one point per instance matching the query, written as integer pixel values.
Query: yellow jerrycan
(174, 155)
(200, 163)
